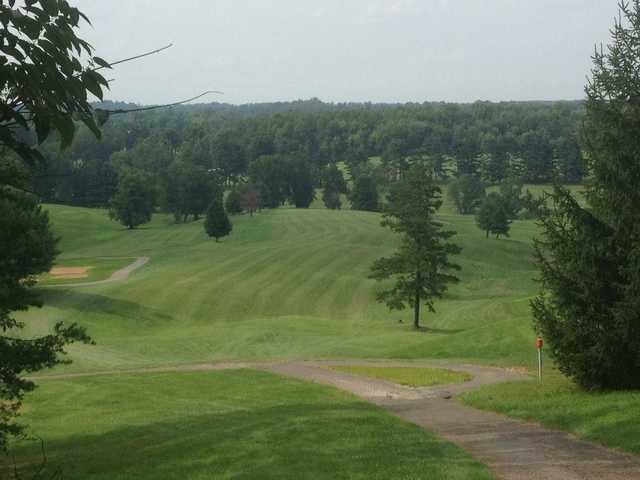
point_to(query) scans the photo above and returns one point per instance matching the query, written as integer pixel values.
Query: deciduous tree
(493, 216)
(133, 203)
(466, 192)
(43, 86)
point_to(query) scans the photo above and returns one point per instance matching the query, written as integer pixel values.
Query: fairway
(288, 283)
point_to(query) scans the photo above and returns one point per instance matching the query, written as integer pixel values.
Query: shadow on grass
(93, 303)
(294, 441)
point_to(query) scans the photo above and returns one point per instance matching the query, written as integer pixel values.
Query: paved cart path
(513, 449)
(116, 276)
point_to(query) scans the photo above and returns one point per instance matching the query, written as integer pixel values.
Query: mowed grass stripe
(287, 283)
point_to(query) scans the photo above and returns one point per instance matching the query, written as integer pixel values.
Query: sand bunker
(69, 272)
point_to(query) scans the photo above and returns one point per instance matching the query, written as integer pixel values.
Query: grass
(410, 376)
(287, 284)
(100, 269)
(610, 418)
(227, 424)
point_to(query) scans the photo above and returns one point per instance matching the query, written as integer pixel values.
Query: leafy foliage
(43, 82)
(333, 185)
(421, 266)
(233, 202)
(493, 215)
(364, 195)
(133, 203)
(466, 192)
(301, 183)
(43, 87)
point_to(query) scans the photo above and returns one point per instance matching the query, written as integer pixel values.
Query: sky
(350, 50)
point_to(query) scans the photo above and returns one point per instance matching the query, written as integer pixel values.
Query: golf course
(288, 285)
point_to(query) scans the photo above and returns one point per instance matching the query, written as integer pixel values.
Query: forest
(530, 142)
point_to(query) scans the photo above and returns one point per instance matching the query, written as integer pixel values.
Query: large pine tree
(589, 308)
(420, 267)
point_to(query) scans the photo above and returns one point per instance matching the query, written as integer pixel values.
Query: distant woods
(274, 154)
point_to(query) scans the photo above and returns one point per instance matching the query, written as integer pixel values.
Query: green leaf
(103, 63)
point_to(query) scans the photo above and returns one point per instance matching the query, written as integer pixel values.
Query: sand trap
(69, 272)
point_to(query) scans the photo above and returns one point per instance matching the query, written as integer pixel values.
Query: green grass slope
(223, 425)
(286, 284)
(611, 418)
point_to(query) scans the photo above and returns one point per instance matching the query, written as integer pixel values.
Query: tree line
(534, 142)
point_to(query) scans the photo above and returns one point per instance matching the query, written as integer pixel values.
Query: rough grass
(611, 418)
(410, 376)
(223, 425)
(286, 284)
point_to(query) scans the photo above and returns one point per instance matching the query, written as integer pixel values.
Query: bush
(233, 203)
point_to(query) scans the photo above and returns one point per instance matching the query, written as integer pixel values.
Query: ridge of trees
(535, 142)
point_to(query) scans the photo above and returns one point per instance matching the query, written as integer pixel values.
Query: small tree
(333, 185)
(250, 200)
(421, 266)
(331, 199)
(217, 223)
(132, 205)
(233, 202)
(511, 193)
(492, 216)
(466, 192)
(364, 195)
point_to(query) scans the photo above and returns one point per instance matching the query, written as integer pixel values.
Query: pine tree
(589, 258)
(217, 223)
(421, 266)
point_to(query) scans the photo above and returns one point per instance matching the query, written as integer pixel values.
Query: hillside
(286, 284)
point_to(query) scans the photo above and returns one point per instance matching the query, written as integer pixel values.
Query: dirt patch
(69, 272)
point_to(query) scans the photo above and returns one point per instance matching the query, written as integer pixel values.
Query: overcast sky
(356, 50)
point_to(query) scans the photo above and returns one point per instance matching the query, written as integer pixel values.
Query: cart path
(116, 276)
(513, 449)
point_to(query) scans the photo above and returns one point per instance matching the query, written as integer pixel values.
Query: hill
(287, 284)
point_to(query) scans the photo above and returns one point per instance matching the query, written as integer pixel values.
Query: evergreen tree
(133, 203)
(466, 192)
(589, 258)
(364, 195)
(493, 215)
(217, 223)
(421, 266)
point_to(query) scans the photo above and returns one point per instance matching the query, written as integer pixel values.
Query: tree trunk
(487, 235)
(416, 306)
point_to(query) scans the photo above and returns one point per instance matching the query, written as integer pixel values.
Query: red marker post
(539, 344)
